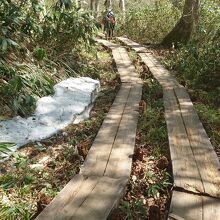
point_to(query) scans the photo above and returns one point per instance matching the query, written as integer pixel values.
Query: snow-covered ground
(70, 103)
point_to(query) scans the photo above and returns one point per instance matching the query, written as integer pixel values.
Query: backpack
(111, 18)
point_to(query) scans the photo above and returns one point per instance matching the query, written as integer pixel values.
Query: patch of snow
(71, 103)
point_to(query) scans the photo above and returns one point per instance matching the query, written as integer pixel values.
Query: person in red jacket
(109, 24)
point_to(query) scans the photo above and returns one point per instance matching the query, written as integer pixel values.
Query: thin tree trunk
(108, 3)
(96, 8)
(196, 14)
(91, 5)
(182, 31)
(122, 7)
(79, 3)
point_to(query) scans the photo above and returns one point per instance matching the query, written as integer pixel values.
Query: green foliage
(39, 53)
(198, 62)
(152, 122)
(23, 85)
(131, 209)
(159, 184)
(148, 23)
(5, 148)
(211, 120)
(10, 210)
(53, 38)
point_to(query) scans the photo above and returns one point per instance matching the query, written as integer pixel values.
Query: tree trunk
(91, 5)
(79, 4)
(182, 31)
(196, 14)
(96, 8)
(122, 7)
(108, 4)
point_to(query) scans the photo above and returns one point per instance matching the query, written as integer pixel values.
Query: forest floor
(38, 171)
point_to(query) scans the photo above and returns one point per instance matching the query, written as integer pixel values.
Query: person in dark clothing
(109, 24)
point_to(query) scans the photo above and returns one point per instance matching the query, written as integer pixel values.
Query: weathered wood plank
(185, 170)
(186, 206)
(135, 46)
(107, 44)
(123, 63)
(120, 160)
(205, 156)
(98, 155)
(54, 209)
(125, 67)
(159, 72)
(101, 200)
(211, 208)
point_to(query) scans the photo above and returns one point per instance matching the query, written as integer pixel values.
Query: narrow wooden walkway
(93, 193)
(196, 168)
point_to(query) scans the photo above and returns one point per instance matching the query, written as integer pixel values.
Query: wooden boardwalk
(196, 168)
(93, 193)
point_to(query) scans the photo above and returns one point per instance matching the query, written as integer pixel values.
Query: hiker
(109, 24)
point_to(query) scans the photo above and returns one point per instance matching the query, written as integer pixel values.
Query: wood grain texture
(101, 200)
(120, 160)
(54, 210)
(205, 156)
(97, 158)
(189, 206)
(186, 206)
(185, 171)
(211, 208)
(196, 167)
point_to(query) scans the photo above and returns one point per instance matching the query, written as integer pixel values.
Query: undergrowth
(38, 171)
(40, 46)
(148, 23)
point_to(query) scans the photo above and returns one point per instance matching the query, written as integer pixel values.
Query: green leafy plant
(5, 148)
(39, 53)
(158, 185)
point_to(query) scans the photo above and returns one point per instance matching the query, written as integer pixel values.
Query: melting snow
(70, 103)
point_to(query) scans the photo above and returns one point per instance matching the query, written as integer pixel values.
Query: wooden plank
(123, 63)
(98, 155)
(135, 46)
(186, 206)
(64, 210)
(101, 200)
(119, 164)
(106, 43)
(206, 158)
(64, 196)
(125, 67)
(92, 195)
(185, 170)
(211, 208)
(159, 72)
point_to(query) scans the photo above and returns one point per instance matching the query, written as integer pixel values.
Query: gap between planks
(195, 164)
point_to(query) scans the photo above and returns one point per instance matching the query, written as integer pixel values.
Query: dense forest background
(42, 41)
